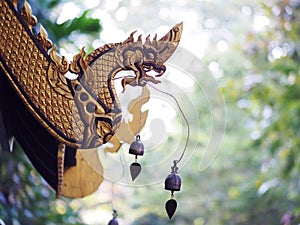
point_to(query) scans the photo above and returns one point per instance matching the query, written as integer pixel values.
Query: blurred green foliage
(277, 100)
(48, 11)
(25, 198)
(268, 94)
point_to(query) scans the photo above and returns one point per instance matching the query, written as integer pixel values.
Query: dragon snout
(145, 72)
(154, 69)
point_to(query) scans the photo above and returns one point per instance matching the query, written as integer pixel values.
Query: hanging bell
(114, 220)
(172, 183)
(136, 148)
(173, 180)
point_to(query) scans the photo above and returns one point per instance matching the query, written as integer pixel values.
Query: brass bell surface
(136, 147)
(173, 182)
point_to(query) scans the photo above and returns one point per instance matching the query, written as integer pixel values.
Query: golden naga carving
(55, 118)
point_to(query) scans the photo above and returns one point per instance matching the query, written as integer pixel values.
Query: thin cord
(180, 109)
(140, 120)
(183, 115)
(117, 78)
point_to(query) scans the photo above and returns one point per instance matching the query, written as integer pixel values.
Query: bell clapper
(136, 148)
(172, 183)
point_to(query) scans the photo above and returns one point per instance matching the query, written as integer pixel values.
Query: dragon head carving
(148, 56)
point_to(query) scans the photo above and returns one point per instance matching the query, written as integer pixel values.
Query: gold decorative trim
(26, 14)
(94, 54)
(60, 168)
(15, 2)
(42, 37)
(35, 114)
(56, 71)
(78, 65)
(84, 178)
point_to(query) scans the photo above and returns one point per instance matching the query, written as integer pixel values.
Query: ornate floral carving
(78, 65)
(27, 16)
(42, 37)
(57, 69)
(104, 130)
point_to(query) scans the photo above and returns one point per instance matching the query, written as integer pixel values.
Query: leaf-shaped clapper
(135, 170)
(171, 206)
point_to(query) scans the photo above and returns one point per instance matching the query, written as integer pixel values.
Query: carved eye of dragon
(61, 115)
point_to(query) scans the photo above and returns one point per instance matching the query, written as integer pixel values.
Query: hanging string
(180, 109)
(184, 117)
(141, 102)
(122, 77)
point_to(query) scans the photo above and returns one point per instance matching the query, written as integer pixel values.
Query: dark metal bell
(113, 222)
(173, 182)
(136, 147)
